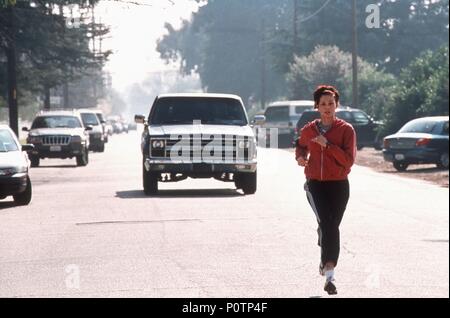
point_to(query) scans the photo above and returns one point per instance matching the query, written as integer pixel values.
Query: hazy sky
(133, 35)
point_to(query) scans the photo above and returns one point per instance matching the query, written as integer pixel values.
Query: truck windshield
(186, 110)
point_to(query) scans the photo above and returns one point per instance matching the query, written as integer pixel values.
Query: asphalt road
(90, 232)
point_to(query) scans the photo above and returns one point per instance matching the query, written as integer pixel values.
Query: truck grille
(195, 149)
(55, 140)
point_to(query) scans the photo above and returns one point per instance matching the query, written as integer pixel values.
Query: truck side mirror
(139, 119)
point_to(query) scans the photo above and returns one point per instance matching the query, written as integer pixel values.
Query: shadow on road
(417, 170)
(56, 166)
(190, 193)
(6, 205)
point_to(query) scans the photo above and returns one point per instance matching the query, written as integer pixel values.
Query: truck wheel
(24, 198)
(247, 182)
(400, 165)
(34, 161)
(83, 159)
(150, 182)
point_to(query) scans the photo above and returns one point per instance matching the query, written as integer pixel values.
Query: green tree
(49, 52)
(422, 90)
(329, 65)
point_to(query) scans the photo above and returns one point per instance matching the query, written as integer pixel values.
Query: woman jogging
(327, 150)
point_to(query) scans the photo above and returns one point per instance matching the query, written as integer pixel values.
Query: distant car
(116, 124)
(96, 136)
(14, 165)
(283, 115)
(58, 134)
(420, 141)
(367, 129)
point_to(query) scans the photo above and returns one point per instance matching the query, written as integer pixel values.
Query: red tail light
(422, 142)
(385, 143)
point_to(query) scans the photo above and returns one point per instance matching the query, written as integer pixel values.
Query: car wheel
(150, 182)
(24, 198)
(34, 161)
(378, 145)
(247, 182)
(400, 165)
(101, 148)
(83, 159)
(443, 161)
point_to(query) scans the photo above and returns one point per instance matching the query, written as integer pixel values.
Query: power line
(315, 13)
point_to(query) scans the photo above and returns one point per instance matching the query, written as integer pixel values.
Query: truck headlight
(244, 144)
(158, 144)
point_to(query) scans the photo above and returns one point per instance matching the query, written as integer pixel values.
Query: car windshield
(100, 117)
(89, 119)
(307, 117)
(344, 115)
(419, 126)
(278, 113)
(300, 109)
(56, 122)
(211, 111)
(7, 142)
(360, 118)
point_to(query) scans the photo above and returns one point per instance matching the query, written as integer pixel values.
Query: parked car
(366, 129)
(96, 136)
(283, 115)
(102, 120)
(14, 165)
(420, 141)
(58, 134)
(198, 136)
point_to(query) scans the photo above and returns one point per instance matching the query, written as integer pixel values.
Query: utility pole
(66, 84)
(355, 102)
(12, 63)
(263, 64)
(295, 42)
(94, 76)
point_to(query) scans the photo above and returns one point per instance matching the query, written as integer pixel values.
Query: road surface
(91, 232)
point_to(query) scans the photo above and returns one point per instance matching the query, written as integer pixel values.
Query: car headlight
(158, 144)
(12, 170)
(7, 171)
(34, 140)
(76, 139)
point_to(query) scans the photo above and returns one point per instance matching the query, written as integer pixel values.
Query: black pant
(328, 200)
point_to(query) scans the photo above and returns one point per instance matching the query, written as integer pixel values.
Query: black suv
(366, 128)
(198, 136)
(58, 134)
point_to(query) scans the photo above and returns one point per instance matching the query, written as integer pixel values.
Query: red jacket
(334, 161)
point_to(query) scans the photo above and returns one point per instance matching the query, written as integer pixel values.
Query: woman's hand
(303, 162)
(321, 140)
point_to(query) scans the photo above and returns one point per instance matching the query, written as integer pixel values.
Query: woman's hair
(325, 90)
